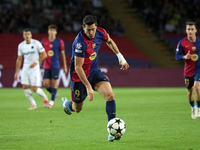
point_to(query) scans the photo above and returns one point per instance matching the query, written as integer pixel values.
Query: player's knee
(77, 109)
(34, 89)
(110, 96)
(46, 84)
(196, 88)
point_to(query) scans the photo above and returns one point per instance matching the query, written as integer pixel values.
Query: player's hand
(90, 93)
(15, 76)
(33, 65)
(187, 56)
(125, 66)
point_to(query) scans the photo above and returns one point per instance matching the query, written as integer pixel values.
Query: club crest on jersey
(50, 53)
(194, 48)
(194, 57)
(93, 45)
(50, 45)
(93, 56)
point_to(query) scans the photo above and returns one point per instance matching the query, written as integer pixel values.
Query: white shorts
(31, 76)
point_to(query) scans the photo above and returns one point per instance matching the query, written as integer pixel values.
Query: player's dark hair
(52, 26)
(89, 20)
(26, 30)
(190, 23)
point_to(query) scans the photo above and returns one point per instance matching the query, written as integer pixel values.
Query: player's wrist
(121, 58)
(37, 61)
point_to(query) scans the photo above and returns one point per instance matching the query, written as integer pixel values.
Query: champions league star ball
(116, 127)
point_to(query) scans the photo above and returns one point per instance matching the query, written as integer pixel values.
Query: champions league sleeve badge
(78, 46)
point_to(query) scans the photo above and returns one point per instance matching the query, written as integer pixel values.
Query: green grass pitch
(156, 119)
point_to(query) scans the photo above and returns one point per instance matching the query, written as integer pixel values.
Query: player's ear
(83, 27)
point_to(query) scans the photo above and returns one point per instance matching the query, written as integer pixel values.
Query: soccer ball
(116, 127)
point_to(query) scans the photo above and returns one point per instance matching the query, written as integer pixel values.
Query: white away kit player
(34, 54)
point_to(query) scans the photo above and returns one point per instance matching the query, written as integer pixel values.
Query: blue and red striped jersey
(192, 66)
(53, 50)
(87, 49)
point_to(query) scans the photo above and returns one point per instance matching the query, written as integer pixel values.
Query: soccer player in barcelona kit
(189, 49)
(34, 54)
(54, 47)
(86, 76)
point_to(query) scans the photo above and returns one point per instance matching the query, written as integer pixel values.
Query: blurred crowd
(15, 15)
(168, 16)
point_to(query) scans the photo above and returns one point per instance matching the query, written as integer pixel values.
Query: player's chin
(91, 37)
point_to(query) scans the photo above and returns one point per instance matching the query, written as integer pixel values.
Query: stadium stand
(66, 14)
(148, 42)
(24, 16)
(160, 16)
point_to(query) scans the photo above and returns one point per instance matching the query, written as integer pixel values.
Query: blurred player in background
(34, 54)
(54, 47)
(86, 76)
(189, 49)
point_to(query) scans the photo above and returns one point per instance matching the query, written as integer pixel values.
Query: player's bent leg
(77, 107)
(104, 88)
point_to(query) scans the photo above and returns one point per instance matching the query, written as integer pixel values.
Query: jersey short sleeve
(105, 34)
(19, 50)
(179, 51)
(40, 47)
(62, 45)
(79, 48)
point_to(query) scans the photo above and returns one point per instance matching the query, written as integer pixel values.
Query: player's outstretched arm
(113, 46)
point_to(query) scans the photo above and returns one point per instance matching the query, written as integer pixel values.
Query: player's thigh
(55, 73)
(197, 81)
(78, 92)
(46, 78)
(189, 82)
(25, 78)
(35, 77)
(104, 88)
(47, 74)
